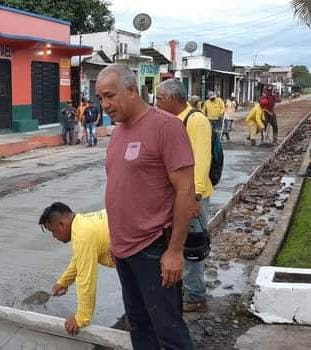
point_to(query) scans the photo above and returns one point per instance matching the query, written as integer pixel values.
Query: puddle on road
(225, 278)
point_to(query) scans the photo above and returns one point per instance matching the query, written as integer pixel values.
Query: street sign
(142, 22)
(191, 46)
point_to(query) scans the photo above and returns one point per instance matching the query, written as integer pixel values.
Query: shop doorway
(5, 94)
(45, 92)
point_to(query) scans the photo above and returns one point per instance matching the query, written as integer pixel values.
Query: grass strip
(296, 251)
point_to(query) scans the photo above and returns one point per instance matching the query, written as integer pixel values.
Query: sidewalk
(13, 143)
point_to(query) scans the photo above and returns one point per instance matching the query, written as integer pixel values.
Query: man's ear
(132, 91)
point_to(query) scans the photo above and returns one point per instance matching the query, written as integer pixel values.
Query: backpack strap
(193, 110)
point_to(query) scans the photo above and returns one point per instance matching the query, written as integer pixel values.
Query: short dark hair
(52, 211)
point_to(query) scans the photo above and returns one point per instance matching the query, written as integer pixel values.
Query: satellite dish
(142, 22)
(191, 46)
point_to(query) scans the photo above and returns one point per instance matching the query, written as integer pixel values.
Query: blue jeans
(91, 133)
(216, 124)
(194, 284)
(154, 312)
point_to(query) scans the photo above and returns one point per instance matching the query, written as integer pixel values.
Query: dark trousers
(69, 131)
(271, 119)
(154, 312)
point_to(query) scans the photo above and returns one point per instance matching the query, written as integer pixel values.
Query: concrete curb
(103, 336)
(28, 144)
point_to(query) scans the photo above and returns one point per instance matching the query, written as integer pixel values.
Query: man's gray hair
(127, 77)
(173, 88)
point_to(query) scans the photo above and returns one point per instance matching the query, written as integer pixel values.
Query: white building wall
(109, 41)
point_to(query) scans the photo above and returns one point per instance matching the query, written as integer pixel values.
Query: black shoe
(78, 142)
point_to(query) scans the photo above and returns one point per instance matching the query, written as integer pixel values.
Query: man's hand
(197, 209)
(71, 326)
(59, 290)
(172, 264)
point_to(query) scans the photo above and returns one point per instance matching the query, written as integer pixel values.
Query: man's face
(60, 230)
(116, 100)
(164, 102)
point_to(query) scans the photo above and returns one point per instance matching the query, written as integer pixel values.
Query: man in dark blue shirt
(69, 118)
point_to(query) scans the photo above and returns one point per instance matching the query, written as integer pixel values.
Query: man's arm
(222, 106)
(69, 275)
(200, 135)
(86, 258)
(259, 119)
(172, 260)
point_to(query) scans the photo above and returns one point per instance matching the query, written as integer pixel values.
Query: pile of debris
(246, 231)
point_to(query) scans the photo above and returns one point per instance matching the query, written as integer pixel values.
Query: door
(5, 94)
(45, 92)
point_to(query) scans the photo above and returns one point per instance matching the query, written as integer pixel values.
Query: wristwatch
(198, 197)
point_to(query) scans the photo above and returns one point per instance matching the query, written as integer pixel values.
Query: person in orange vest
(80, 119)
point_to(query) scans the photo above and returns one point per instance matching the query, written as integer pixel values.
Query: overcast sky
(257, 31)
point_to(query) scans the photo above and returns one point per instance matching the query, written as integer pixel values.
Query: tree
(86, 16)
(302, 10)
(301, 76)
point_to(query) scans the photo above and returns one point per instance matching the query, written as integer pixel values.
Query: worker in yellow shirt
(171, 97)
(255, 120)
(89, 236)
(214, 109)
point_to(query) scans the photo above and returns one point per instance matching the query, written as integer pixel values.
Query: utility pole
(80, 70)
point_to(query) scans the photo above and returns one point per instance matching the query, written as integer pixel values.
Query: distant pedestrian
(214, 108)
(69, 119)
(270, 116)
(150, 202)
(171, 96)
(195, 102)
(255, 120)
(230, 108)
(89, 236)
(91, 118)
(80, 119)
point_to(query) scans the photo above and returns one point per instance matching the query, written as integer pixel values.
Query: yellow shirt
(199, 131)
(257, 116)
(90, 245)
(214, 109)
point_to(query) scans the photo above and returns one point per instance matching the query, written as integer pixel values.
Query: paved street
(75, 175)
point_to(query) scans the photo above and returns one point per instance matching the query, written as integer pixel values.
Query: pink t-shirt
(139, 195)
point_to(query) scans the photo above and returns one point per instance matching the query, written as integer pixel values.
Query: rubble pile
(246, 231)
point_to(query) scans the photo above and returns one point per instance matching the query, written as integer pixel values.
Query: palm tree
(302, 10)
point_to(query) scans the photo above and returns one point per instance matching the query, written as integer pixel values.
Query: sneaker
(200, 306)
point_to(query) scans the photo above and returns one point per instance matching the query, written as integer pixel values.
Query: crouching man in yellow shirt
(89, 236)
(255, 120)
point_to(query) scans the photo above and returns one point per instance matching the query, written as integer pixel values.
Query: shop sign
(151, 69)
(64, 63)
(5, 51)
(65, 82)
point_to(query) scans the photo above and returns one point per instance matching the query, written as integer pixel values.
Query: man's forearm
(183, 210)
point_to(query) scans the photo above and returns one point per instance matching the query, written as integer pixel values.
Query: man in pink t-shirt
(150, 193)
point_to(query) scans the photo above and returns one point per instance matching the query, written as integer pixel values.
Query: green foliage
(86, 16)
(296, 251)
(301, 76)
(302, 10)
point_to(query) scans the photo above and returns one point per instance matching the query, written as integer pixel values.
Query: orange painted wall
(21, 24)
(21, 75)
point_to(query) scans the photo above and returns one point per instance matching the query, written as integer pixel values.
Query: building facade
(34, 69)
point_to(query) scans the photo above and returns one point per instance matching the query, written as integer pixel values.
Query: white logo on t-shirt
(132, 150)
